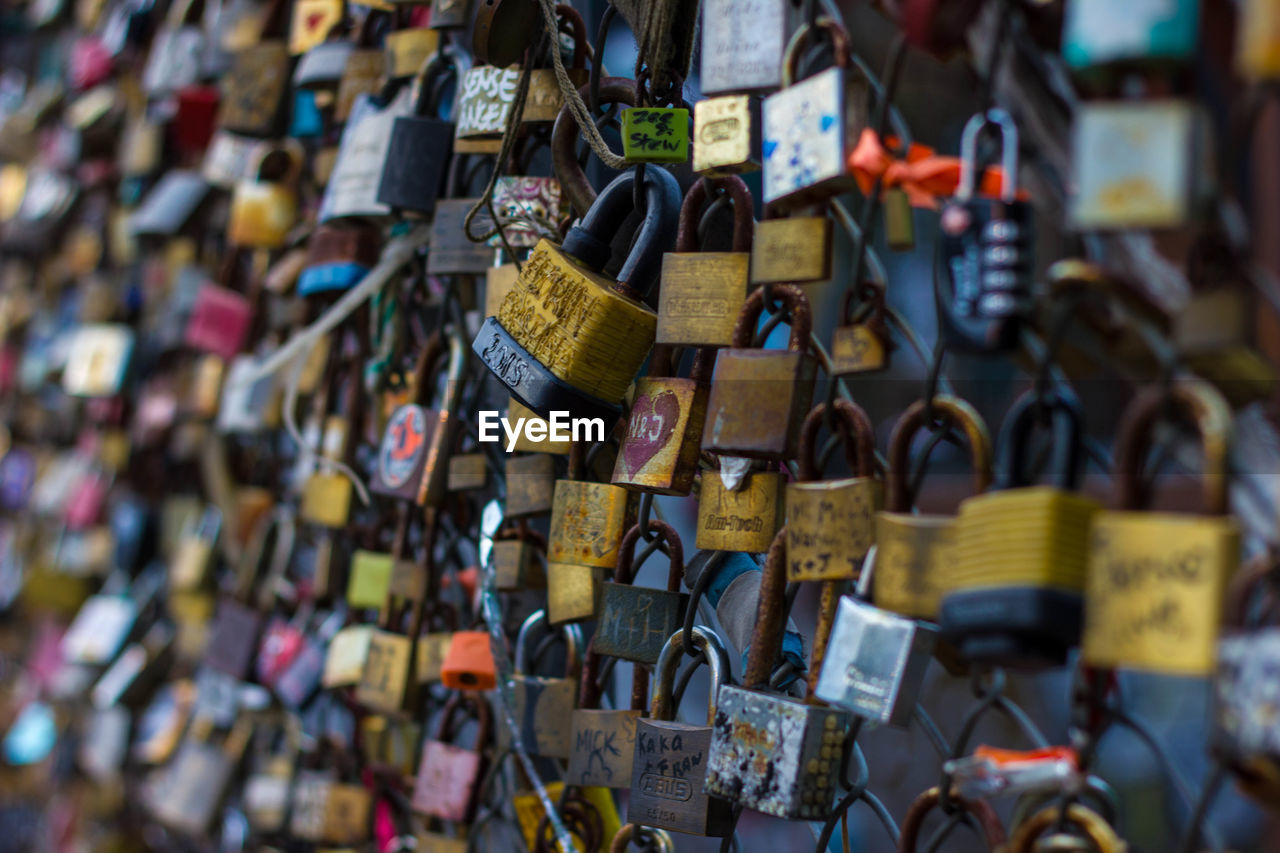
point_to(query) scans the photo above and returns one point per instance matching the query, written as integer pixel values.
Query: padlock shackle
(954, 413)
(590, 240)
(564, 139)
(572, 640)
(1204, 406)
(574, 19)
(1254, 579)
(626, 554)
(1008, 154)
(589, 691)
(662, 841)
(771, 615)
(852, 422)
(840, 46)
(663, 365)
(713, 654)
(913, 823)
(426, 92)
(740, 198)
(444, 732)
(1067, 422)
(795, 301)
(290, 148)
(1083, 818)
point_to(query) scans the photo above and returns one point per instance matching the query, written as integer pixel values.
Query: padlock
(452, 251)
(186, 794)
(255, 88)
(312, 22)
(861, 343)
(830, 523)
(666, 772)
(742, 45)
(351, 188)
(98, 357)
(267, 787)
(407, 50)
(192, 555)
(1094, 45)
(1215, 332)
(523, 444)
(412, 458)
(768, 752)
(449, 775)
(346, 655)
(545, 99)
(326, 491)
(979, 810)
(604, 741)
(660, 450)
(1156, 579)
(338, 257)
(468, 472)
(899, 220)
(265, 208)
(875, 662)
(1084, 823)
(368, 579)
(421, 144)
(519, 559)
(171, 207)
(174, 59)
(811, 127)
(726, 135)
(433, 645)
(543, 707)
(759, 397)
(1015, 589)
(238, 621)
(588, 523)
(1242, 735)
(655, 135)
(635, 621)
(528, 209)
(361, 75)
(1139, 164)
(914, 552)
(389, 683)
(1257, 54)
(327, 810)
(531, 483)
(743, 518)
(450, 14)
(984, 286)
(469, 664)
(702, 292)
(579, 354)
(219, 321)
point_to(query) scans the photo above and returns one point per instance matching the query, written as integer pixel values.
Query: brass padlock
(726, 135)
(830, 523)
(543, 707)
(568, 338)
(702, 292)
(635, 621)
(604, 741)
(861, 343)
(1015, 592)
(1156, 579)
(193, 553)
(914, 552)
(769, 752)
(794, 250)
(588, 522)
(265, 208)
(531, 482)
(662, 445)
(739, 519)
(519, 559)
(186, 794)
(759, 397)
(666, 784)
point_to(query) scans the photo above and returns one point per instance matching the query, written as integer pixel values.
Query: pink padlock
(219, 321)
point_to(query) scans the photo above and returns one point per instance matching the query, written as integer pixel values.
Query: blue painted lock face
(326, 278)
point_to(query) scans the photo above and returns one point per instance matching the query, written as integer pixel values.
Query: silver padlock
(876, 660)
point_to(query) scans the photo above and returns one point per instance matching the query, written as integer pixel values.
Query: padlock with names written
(660, 450)
(742, 45)
(604, 741)
(861, 343)
(743, 518)
(655, 135)
(635, 621)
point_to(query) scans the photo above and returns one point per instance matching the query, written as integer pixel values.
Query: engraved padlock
(635, 621)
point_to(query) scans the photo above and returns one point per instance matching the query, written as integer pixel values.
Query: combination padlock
(984, 285)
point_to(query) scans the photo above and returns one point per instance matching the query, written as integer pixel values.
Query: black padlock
(421, 145)
(984, 285)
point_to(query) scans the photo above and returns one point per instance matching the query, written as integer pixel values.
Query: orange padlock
(468, 665)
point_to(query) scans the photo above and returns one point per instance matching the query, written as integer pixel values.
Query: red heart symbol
(653, 422)
(314, 20)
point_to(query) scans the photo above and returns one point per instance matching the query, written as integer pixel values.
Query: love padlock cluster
(361, 363)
